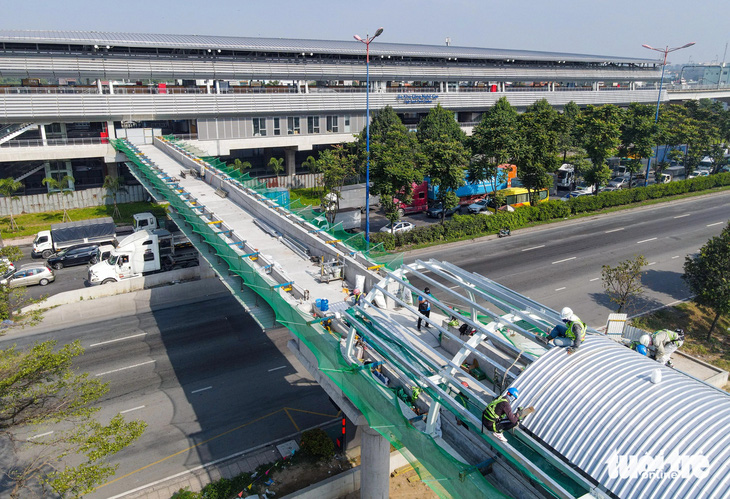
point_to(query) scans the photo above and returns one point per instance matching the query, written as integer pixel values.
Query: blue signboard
(417, 98)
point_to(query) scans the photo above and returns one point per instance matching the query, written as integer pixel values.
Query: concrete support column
(217, 87)
(111, 88)
(374, 465)
(42, 129)
(111, 170)
(306, 86)
(99, 87)
(110, 129)
(289, 159)
(457, 87)
(207, 87)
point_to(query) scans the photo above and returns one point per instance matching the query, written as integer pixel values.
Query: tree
(445, 157)
(336, 166)
(40, 388)
(8, 187)
(276, 165)
(600, 130)
(708, 275)
(394, 162)
(538, 127)
(241, 166)
(496, 140)
(63, 187)
(113, 186)
(622, 283)
(567, 125)
(638, 136)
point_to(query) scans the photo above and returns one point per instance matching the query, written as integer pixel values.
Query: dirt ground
(300, 475)
(404, 485)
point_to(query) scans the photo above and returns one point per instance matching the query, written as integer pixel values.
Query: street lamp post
(665, 51)
(367, 41)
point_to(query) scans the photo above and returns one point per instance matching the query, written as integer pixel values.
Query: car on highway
(436, 210)
(478, 206)
(699, 173)
(398, 227)
(619, 182)
(28, 275)
(80, 254)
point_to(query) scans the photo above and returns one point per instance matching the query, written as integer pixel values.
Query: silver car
(28, 275)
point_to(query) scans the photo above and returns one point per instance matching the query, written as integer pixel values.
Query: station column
(374, 464)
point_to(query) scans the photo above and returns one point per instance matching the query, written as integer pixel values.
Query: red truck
(419, 202)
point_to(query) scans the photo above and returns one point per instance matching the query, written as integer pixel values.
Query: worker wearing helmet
(641, 346)
(665, 343)
(498, 416)
(424, 307)
(570, 335)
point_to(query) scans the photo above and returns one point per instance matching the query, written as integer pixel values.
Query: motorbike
(504, 232)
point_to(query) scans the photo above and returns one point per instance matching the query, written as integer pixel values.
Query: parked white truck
(566, 176)
(63, 235)
(142, 253)
(96, 230)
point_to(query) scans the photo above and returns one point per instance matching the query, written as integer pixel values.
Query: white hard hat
(645, 340)
(566, 313)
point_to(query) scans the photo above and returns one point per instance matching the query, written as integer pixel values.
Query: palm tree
(63, 186)
(277, 165)
(241, 166)
(8, 187)
(113, 186)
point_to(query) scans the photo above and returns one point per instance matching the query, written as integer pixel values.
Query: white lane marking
(560, 289)
(646, 240)
(125, 368)
(534, 247)
(277, 368)
(566, 260)
(677, 256)
(202, 389)
(682, 216)
(650, 263)
(716, 223)
(613, 230)
(594, 279)
(40, 435)
(132, 409)
(118, 339)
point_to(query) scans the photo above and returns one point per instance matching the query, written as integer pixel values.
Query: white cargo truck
(143, 253)
(566, 176)
(64, 235)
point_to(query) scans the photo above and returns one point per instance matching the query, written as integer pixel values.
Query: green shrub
(220, 489)
(317, 444)
(185, 494)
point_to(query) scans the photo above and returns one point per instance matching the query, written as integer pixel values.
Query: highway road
(560, 264)
(204, 377)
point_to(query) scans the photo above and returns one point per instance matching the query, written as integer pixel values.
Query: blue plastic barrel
(325, 305)
(318, 303)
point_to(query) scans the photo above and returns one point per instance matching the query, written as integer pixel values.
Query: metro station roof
(286, 45)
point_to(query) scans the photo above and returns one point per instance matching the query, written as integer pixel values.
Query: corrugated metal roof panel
(379, 48)
(599, 404)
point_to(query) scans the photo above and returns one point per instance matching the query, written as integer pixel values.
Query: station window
(277, 127)
(259, 127)
(332, 125)
(293, 127)
(313, 124)
(347, 123)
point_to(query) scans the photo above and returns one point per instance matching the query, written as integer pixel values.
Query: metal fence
(88, 141)
(294, 181)
(95, 196)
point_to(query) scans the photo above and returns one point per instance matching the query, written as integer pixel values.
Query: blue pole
(656, 120)
(367, 143)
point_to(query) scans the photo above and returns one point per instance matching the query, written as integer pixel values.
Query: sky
(613, 27)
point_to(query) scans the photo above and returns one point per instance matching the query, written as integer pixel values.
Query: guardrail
(89, 141)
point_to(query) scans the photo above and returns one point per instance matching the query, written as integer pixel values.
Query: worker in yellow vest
(570, 335)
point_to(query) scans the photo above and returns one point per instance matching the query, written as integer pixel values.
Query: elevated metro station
(67, 93)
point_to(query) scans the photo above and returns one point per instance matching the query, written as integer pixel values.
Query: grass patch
(307, 196)
(30, 223)
(696, 321)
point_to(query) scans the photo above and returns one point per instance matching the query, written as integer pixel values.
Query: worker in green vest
(498, 416)
(665, 342)
(570, 335)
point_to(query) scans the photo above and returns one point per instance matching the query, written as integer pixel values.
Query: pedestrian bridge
(420, 391)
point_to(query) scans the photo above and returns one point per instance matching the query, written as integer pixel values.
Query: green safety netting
(312, 214)
(447, 476)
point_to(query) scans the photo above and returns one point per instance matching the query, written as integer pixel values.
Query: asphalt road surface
(204, 377)
(560, 264)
